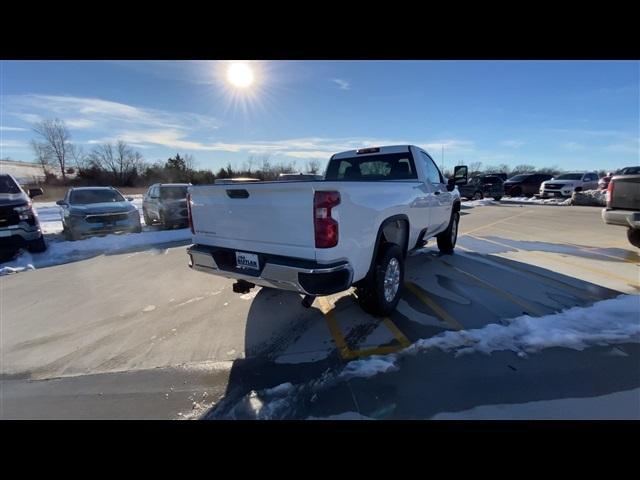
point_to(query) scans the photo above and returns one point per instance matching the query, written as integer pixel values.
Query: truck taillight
(189, 214)
(610, 192)
(326, 228)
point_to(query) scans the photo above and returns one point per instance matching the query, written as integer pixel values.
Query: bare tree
(119, 159)
(56, 140)
(42, 155)
(475, 167)
(313, 166)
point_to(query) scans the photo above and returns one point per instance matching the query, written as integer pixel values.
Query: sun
(240, 75)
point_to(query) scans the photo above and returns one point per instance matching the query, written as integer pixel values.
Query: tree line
(120, 164)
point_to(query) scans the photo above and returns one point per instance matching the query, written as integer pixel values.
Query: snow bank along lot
(608, 322)
(62, 251)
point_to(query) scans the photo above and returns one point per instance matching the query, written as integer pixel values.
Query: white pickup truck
(319, 237)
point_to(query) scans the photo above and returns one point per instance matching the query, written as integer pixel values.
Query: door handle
(437, 192)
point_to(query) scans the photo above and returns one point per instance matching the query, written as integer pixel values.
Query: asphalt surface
(140, 335)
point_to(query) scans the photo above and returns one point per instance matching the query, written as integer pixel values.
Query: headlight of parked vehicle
(25, 212)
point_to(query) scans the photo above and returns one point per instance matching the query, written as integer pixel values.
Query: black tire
(447, 239)
(163, 221)
(516, 192)
(478, 195)
(497, 199)
(37, 246)
(371, 290)
(147, 218)
(69, 235)
(633, 235)
(137, 229)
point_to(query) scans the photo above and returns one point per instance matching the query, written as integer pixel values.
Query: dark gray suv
(166, 204)
(97, 211)
(19, 226)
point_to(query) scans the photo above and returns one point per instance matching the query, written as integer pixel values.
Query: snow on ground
(590, 197)
(342, 416)
(614, 406)
(537, 201)
(606, 322)
(62, 251)
(479, 203)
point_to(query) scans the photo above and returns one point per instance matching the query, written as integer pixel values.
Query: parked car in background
(525, 184)
(19, 225)
(166, 204)
(566, 183)
(623, 205)
(97, 211)
(501, 175)
(604, 181)
(482, 186)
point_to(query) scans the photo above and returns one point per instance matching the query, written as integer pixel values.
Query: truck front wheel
(380, 292)
(447, 239)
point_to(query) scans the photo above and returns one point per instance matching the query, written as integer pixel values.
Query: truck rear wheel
(380, 292)
(633, 235)
(37, 246)
(447, 239)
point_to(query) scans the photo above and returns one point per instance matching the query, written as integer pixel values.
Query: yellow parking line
(433, 305)
(561, 260)
(503, 293)
(494, 223)
(341, 343)
(583, 247)
(402, 340)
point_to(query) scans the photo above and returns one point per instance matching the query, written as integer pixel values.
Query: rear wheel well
(392, 230)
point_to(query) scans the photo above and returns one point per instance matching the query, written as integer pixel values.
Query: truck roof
(364, 151)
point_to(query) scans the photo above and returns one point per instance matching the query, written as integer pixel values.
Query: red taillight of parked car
(189, 215)
(610, 192)
(326, 228)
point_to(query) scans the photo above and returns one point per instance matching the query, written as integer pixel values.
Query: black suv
(482, 186)
(527, 184)
(19, 225)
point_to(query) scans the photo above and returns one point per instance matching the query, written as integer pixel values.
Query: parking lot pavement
(114, 336)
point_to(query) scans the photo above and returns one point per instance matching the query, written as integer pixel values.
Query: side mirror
(34, 192)
(451, 184)
(62, 203)
(130, 199)
(460, 174)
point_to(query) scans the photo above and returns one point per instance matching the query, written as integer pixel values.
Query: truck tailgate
(270, 217)
(626, 192)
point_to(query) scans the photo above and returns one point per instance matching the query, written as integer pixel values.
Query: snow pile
(537, 201)
(59, 252)
(368, 368)
(479, 203)
(606, 322)
(596, 198)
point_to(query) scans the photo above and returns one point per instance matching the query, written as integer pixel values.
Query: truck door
(442, 201)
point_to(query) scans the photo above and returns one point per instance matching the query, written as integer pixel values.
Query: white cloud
(342, 84)
(80, 123)
(12, 129)
(13, 144)
(573, 146)
(512, 143)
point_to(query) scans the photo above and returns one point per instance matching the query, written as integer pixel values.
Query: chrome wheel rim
(391, 279)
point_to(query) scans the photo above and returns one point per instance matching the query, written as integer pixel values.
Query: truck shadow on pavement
(287, 344)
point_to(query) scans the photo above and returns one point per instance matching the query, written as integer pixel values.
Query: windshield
(391, 166)
(85, 197)
(173, 193)
(7, 185)
(518, 178)
(569, 176)
(630, 171)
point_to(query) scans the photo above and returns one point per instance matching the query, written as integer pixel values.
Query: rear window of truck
(391, 166)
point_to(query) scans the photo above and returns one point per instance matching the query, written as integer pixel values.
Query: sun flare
(240, 75)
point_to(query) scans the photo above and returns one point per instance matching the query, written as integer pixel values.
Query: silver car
(166, 204)
(97, 211)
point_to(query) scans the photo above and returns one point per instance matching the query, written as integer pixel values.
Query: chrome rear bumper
(308, 280)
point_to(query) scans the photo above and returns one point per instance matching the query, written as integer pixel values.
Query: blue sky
(572, 114)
